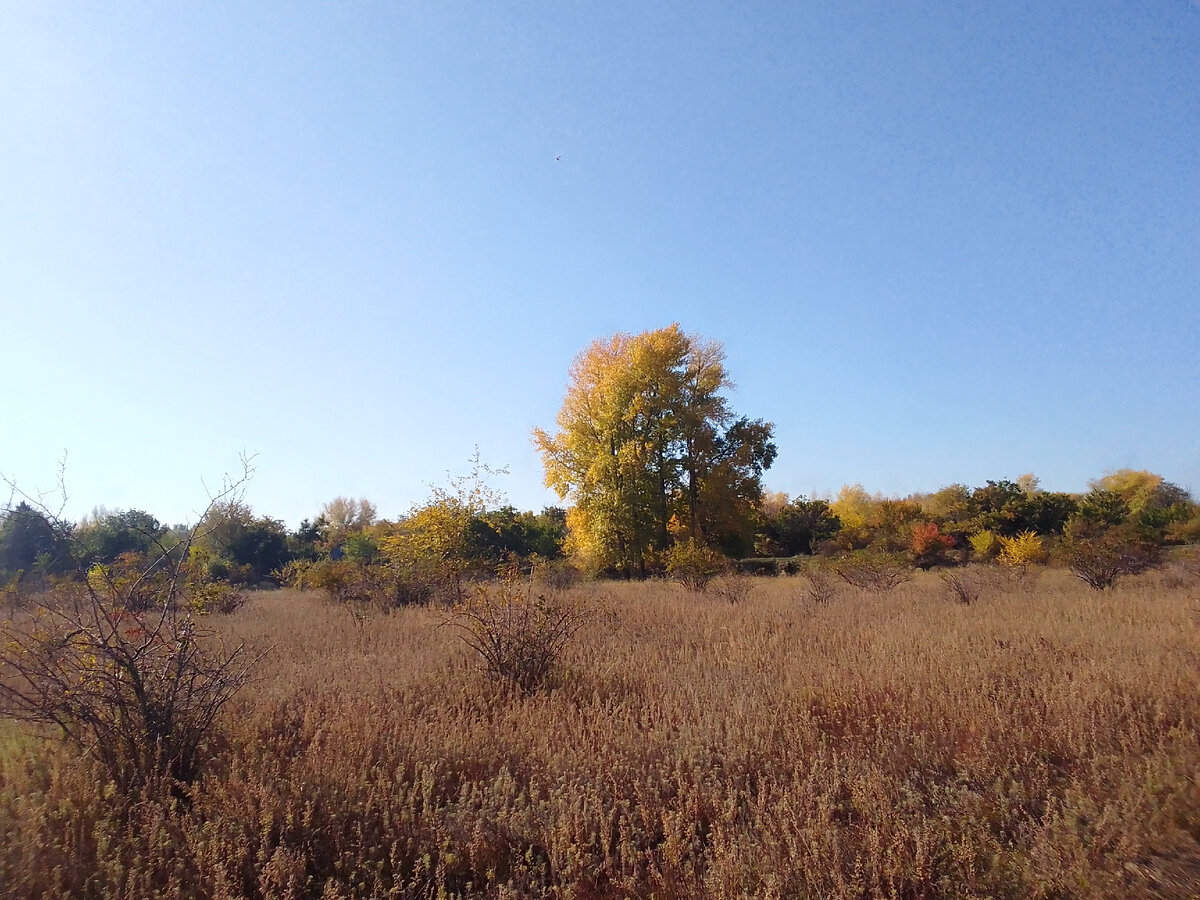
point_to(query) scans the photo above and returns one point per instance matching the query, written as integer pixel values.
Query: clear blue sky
(940, 242)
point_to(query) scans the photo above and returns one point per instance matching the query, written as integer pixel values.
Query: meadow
(1043, 742)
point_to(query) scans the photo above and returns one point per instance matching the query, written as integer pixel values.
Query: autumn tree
(434, 540)
(343, 516)
(649, 452)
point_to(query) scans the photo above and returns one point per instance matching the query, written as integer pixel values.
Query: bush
(961, 586)
(1100, 558)
(135, 687)
(732, 588)
(758, 566)
(557, 574)
(874, 572)
(694, 564)
(986, 545)
(1021, 551)
(929, 546)
(518, 635)
(363, 588)
(821, 586)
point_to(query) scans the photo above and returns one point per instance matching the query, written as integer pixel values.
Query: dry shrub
(136, 687)
(557, 574)
(874, 573)
(518, 635)
(732, 588)
(1100, 559)
(1184, 572)
(963, 587)
(821, 586)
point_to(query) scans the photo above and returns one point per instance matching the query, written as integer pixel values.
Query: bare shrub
(874, 573)
(518, 635)
(126, 672)
(136, 689)
(558, 574)
(732, 588)
(1183, 572)
(1100, 559)
(961, 586)
(821, 586)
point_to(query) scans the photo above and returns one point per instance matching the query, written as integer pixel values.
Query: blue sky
(940, 242)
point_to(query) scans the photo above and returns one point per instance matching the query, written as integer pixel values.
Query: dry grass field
(1042, 742)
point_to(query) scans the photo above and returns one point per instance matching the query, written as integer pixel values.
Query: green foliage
(1104, 509)
(362, 589)
(694, 564)
(504, 534)
(26, 534)
(247, 548)
(360, 547)
(305, 541)
(797, 528)
(107, 537)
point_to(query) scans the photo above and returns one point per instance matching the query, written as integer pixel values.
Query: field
(1041, 742)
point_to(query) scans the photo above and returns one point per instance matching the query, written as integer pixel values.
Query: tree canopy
(649, 452)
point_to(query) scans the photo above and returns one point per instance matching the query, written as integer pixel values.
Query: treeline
(656, 473)
(234, 544)
(958, 523)
(467, 531)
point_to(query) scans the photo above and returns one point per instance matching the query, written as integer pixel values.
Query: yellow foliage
(854, 506)
(1134, 486)
(636, 449)
(1023, 550)
(986, 544)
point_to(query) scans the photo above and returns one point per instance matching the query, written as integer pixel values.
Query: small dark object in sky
(557, 158)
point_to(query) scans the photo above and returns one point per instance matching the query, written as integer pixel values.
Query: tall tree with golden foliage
(648, 451)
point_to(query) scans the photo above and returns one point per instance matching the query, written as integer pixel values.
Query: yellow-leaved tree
(434, 539)
(1141, 489)
(646, 439)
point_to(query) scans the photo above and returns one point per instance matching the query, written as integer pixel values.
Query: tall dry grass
(1043, 741)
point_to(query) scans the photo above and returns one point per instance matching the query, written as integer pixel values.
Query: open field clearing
(1042, 742)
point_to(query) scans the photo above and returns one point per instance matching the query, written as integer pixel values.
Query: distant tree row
(652, 465)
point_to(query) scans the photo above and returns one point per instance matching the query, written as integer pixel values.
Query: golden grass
(1043, 742)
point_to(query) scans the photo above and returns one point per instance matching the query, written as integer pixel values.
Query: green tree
(648, 451)
(107, 536)
(238, 545)
(1103, 508)
(26, 536)
(797, 528)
